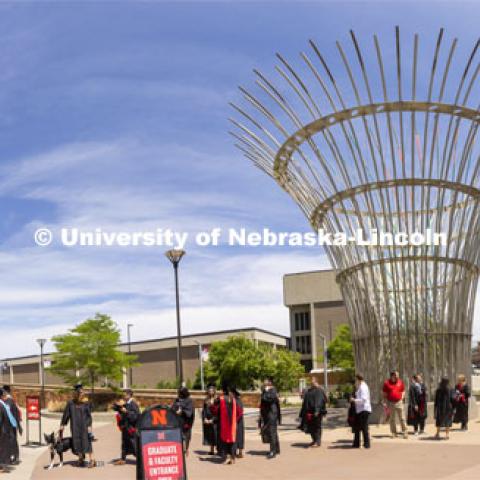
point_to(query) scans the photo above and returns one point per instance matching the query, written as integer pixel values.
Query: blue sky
(114, 115)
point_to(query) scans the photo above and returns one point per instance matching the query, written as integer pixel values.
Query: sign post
(34, 413)
(160, 454)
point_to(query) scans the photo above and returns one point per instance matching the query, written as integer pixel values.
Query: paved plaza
(418, 457)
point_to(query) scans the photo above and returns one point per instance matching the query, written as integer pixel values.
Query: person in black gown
(127, 416)
(270, 417)
(78, 413)
(313, 410)
(209, 424)
(417, 404)
(184, 408)
(444, 405)
(462, 396)
(18, 418)
(228, 413)
(7, 433)
(240, 443)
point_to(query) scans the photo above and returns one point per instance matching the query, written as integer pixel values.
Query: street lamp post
(325, 361)
(175, 255)
(130, 373)
(200, 356)
(41, 342)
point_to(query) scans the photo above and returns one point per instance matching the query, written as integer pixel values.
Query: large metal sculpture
(386, 141)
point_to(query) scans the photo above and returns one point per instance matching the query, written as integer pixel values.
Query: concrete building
(156, 358)
(316, 310)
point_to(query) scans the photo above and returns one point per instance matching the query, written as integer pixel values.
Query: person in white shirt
(363, 408)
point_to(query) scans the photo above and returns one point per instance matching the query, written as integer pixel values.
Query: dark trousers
(316, 430)
(361, 426)
(274, 441)
(419, 423)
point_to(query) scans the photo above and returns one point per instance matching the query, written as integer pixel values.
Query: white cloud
(46, 291)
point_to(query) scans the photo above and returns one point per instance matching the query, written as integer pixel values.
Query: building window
(302, 321)
(303, 344)
(307, 364)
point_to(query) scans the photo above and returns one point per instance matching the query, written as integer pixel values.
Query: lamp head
(175, 255)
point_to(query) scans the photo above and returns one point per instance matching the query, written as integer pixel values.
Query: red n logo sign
(159, 417)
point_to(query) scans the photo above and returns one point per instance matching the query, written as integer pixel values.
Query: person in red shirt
(393, 394)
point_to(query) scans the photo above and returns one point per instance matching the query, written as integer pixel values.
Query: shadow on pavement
(341, 444)
(258, 453)
(212, 459)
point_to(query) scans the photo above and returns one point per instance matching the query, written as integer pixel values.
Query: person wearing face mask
(363, 408)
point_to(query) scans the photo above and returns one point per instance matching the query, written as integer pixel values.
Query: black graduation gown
(270, 417)
(187, 416)
(313, 409)
(127, 424)
(5, 438)
(80, 417)
(444, 403)
(240, 426)
(209, 429)
(418, 399)
(224, 412)
(16, 413)
(462, 395)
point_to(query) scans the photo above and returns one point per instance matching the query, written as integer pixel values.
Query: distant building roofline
(324, 270)
(190, 335)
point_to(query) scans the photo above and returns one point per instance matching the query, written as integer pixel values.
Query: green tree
(283, 365)
(340, 350)
(91, 348)
(240, 361)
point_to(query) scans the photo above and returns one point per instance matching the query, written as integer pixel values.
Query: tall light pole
(175, 255)
(200, 356)
(130, 373)
(41, 342)
(325, 361)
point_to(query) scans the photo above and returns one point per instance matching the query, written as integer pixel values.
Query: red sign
(162, 453)
(33, 408)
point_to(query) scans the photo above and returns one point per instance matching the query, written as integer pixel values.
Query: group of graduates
(10, 427)
(450, 404)
(223, 421)
(223, 417)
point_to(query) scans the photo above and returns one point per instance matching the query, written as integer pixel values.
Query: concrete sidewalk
(418, 457)
(29, 456)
